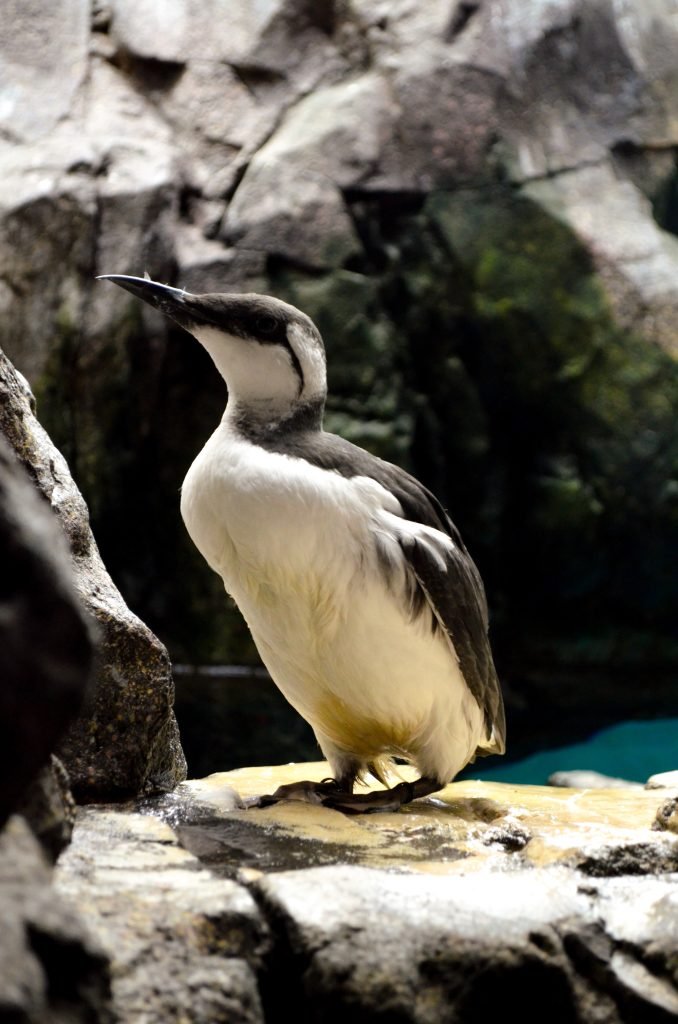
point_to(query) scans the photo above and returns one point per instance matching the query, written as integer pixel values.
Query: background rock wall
(478, 204)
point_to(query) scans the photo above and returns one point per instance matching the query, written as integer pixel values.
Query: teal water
(629, 750)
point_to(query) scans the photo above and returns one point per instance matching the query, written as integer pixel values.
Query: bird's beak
(173, 302)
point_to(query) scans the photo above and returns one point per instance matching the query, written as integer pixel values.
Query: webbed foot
(329, 793)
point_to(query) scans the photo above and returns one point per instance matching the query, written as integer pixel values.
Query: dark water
(231, 717)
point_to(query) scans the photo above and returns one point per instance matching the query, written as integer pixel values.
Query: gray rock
(254, 37)
(188, 945)
(211, 105)
(578, 80)
(43, 51)
(288, 202)
(126, 740)
(667, 816)
(636, 260)
(584, 779)
(553, 120)
(447, 124)
(421, 948)
(43, 201)
(667, 813)
(208, 267)
(663, 780)
(100, 190)
(303, 218)
(51, 969)
(195, 29)
(646, 857)
(484, 895)
(48, 806)
(45, 638)
(196, 988)
(337, 131)
(137, 166)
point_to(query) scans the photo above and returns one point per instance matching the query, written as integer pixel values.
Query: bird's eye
(266, 324)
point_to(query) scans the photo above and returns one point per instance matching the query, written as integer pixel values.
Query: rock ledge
(443, 911)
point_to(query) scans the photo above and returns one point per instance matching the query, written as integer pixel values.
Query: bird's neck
(262, 421)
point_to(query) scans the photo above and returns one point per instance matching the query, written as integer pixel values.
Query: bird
(363, 602)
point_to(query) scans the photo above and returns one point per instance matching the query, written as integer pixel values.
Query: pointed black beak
(173, 302)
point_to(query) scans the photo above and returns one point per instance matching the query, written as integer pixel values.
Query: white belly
(295, 548)
(378, 685)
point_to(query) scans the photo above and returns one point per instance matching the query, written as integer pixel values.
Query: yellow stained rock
(465, 826)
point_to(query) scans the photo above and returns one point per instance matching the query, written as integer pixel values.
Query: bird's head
(270, 354)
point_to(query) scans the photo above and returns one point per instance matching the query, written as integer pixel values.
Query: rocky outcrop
(421, 949)
(52, 971)
(45, 638)
(188, 944)
(48, 806)
(557, 900)
(126, 739)
(113, 721)
(475, 201)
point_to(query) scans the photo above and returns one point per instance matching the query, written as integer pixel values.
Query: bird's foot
(381, 799)
(329, 793)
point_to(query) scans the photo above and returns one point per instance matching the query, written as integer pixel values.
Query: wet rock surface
(125, 741)
(448, 910)
(421, 949)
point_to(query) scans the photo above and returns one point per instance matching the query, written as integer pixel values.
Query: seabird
(363, 602)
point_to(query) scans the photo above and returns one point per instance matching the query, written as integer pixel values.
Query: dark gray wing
(453, 591)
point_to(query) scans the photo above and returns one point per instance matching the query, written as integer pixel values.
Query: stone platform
(560, 902)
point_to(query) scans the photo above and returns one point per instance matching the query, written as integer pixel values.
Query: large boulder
(52, 970)
(45, 50)
(46, 642)
(559, 901)
(185, 944)
(126, 739)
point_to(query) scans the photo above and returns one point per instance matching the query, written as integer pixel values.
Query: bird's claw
(329, 793)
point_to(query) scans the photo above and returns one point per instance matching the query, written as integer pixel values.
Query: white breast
(269, 521)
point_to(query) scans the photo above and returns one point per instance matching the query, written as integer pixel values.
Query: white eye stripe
(306, 345)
